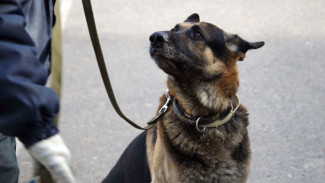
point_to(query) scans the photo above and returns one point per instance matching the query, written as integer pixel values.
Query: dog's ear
(239, 46)
(193, 18)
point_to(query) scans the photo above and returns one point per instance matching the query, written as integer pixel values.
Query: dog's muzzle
(157, 41)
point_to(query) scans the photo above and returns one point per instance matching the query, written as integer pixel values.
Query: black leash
(102, 67)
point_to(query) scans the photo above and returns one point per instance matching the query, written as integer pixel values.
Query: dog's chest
(222, 172)
(211, 163)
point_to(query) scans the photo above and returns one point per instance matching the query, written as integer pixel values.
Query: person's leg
(9, 170)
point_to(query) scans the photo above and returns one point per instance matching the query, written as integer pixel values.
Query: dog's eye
(197, 35)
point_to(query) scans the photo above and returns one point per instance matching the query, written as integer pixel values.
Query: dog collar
(212, 121)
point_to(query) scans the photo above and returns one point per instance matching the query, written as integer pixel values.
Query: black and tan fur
(200, 60)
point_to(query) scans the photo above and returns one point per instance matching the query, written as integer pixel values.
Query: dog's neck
(202, 98)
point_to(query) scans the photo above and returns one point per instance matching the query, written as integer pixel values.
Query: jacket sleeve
(27, 107)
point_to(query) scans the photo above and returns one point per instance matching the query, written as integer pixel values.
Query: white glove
(55, 156)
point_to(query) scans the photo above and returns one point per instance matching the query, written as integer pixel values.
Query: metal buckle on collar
(164, 108)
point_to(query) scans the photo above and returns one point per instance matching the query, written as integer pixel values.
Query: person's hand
(55, 156)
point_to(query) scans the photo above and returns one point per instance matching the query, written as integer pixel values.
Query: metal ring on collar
(197, 125)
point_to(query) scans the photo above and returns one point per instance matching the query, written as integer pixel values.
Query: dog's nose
(158, 37)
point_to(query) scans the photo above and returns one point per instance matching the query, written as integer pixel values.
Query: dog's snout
(158, 37)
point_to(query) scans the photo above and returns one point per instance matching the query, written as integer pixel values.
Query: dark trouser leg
(9, 170)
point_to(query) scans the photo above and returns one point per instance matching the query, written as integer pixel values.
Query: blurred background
(281, 84)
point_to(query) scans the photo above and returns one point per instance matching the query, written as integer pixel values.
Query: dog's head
(197, 49)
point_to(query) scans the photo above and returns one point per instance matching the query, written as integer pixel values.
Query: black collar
(211, 121)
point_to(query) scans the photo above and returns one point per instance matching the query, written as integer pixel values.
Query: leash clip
(164, 108)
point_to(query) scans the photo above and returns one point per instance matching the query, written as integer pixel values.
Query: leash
(103, 71)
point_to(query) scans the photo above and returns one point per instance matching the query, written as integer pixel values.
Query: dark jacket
(27, 107)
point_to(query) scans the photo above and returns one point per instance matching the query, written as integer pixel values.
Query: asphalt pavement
(281, 84)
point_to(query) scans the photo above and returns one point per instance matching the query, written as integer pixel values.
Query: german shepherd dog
(203, 136)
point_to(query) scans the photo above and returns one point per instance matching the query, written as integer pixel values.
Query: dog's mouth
(159, 55)
(171, 61)
(155, 52)
(163, 51)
